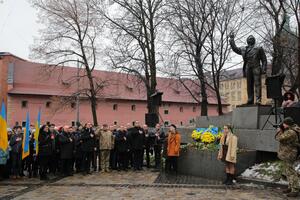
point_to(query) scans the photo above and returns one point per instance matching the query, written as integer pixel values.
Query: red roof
(34, 78)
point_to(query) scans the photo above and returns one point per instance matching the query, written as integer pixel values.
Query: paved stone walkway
(127, 185)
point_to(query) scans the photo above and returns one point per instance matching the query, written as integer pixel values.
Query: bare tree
(188, 21)
(227, 16)
(293, 8)
(69, 37)
(134, 34)
(276, 15)
(276, 12)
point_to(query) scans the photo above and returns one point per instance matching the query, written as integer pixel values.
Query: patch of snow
(297, 167)
(255, 172)
(283, 182)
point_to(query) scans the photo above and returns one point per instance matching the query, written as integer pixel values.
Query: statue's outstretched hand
(231, 35)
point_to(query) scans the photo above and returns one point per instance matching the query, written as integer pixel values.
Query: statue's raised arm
(233, 45)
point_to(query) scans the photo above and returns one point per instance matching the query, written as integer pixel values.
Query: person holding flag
(16, 152)
(32, 161)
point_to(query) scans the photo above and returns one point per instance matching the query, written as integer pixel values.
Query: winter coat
(78, 144)
(174, 144)
(129, 138)
(54, 143)
(66, 146)
(45, 143)
(88, 142)
(121, 142)
(231, 142)
(137, 138)
(32, 146)
(106, 140)
(16, 146)
(149, 138)
(288, 141)
(159, 140)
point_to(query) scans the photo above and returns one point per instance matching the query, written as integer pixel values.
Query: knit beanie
(288, 121)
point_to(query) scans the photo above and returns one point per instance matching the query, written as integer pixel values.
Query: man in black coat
(67, 145)
(138, 140)
(122, 148)
(149, 141)
(159, 138)
(78, 149)
(54, 157)
(16, 152)
(31, 160)
(45, 150)
(87, 145)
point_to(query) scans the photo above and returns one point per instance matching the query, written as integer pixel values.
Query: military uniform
(288, 154)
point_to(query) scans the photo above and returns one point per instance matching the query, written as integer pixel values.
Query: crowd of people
(83, 149)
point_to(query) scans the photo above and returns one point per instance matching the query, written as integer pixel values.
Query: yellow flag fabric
(37, 131)
(26, 138)
(3, 129)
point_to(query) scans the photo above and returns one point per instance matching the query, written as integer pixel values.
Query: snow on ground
(269, 171)
(298, 167)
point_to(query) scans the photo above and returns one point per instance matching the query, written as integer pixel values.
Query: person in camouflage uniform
(288, 153)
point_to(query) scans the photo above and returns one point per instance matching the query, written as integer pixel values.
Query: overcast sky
(18, 27)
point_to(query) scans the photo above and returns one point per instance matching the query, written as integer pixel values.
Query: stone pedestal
(247, 117)
(205, 164)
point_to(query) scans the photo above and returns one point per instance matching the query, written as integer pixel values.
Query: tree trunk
(277, 55)
(93, 97)
(204, 102)
(298, 64)
(296, 84)
(151, 107)
(216, 82)
(219, 101)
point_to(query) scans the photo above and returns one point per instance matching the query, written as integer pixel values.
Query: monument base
(205, 164)
(247, 117)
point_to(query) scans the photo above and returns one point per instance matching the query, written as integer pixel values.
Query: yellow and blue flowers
(207, 135)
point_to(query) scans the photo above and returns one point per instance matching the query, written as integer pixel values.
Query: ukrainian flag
(25, 144)
(3, 129)
(37, 131)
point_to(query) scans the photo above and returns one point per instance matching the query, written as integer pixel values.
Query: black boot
(230, 180)
(227, 178)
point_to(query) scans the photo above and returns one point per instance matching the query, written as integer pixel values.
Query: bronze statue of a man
(255, 63)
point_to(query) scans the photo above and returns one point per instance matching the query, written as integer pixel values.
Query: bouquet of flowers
(208, 135)
(196, 134)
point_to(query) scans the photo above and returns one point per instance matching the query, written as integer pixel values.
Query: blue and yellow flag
(3, 129)
(37, 131)
(25, 144)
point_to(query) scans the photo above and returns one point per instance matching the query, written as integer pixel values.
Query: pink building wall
(31, 83)
(105, 112)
